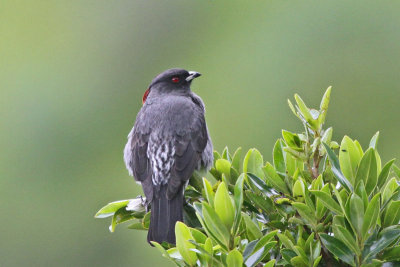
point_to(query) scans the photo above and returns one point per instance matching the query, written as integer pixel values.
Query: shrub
(309, 207)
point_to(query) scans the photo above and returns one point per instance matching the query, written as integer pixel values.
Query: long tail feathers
(164, 215)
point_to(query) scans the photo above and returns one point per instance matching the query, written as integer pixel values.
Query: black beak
(192, 75)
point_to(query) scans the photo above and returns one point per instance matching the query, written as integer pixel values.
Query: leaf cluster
(317, 203)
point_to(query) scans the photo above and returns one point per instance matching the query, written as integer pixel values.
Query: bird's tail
(164, 215)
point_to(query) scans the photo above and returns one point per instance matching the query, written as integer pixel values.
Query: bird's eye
(175, 80)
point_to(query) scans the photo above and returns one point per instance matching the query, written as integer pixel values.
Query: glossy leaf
(278, 155)
(371, 216)
(238, 199)
(223, 166)
(328, 201)
(111, 208)
(305, 112)
(236, 159)
(271, 263)
(325, 104)
(383, 176)
(259, 254)
(374, 141)
(392, 254)
(367, 171)
(223, 206)
(274, 179)
(338, 248)
(215, 226)
(253, 162)
(306, 213)
(234, 259)
(392, 214)
(349, 158)
(285, 241)
(344, 235)
(209, 193)
(265, 204)
(252, 228)
(385, 238)
(291, 139)
(389, 189)
(260, 185)
(184, 247)
(336, 169)
(356, 212)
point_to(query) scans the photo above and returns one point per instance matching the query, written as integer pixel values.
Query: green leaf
(306, 213)
(338, 248)
(390, 187)
(385, 238)
(260, 185)
(371, 216)
(336, 169)
(253, 162)
(298, 188)
(223, 166)
(215, 225)
(367, 171)
(317, 260)
(252, 228)
(249, 249)
(356, 212)
(120, 216)
(349, 158)
(238, 199)
(291, 139)
(293, 109)
(234, 259)
(136, 225)
(271, 263)
(209, 193)
(225, 154)
(166, 254)
(328, 201)
(265, 204)
(146, 220)
(298, 261)
(236, 159)
(326, 138)
(207, 252)
(383, 176)
(324, 104)
(279, 160)
(223, 206)
(259, 254)
(111, 208)
(265, 239)
(183, 234)
(360, 191)
(274, 179)
(392, 254)
(344, 235)
(374, 141)
(392, 214)
(305, 112)
(198, 236)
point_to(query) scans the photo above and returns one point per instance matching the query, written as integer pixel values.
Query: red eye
(175, 80)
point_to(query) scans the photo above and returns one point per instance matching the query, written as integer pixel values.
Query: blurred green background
(72, 75)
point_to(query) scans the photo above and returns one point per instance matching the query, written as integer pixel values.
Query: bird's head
(172, 80)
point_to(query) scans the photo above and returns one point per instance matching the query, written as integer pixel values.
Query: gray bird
(168, 142)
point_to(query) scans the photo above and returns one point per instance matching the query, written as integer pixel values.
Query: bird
(168, 142)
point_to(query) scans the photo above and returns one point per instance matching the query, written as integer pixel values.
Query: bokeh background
(72, 75)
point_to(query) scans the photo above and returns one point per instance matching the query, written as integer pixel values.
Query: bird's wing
(189, 145)
(136, 159)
